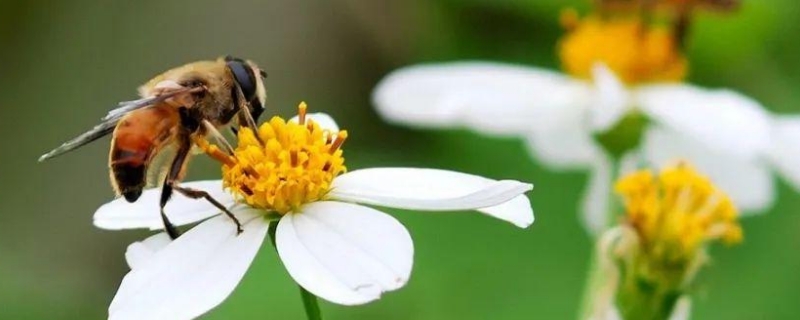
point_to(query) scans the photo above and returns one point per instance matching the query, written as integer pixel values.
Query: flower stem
(310, 303)
(595, 277)
(638, 301)
(593, 282)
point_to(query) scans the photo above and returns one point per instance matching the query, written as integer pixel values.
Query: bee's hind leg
(173, 175)
(166, 193)
(197, 194)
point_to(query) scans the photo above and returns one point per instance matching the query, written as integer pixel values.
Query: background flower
(619, 95)
(651, 259)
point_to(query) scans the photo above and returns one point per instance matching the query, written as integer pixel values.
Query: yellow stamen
(340, 138)
(677, 212)
(294, 165)
(671, 216)
(635, 51)
(302, 110)
(214, 151)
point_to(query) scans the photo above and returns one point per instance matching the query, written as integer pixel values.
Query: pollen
(677, 212)
(285, 164)
(635, 51)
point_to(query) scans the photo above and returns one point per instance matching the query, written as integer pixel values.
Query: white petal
(596, 197)
(610, 313)
(748, 182)
(569, 147)
(785, 150)
(193, 274)
(720, 119)
(436, 190)
(490, 97)
(324, 120)
(612, 99)
(630, 162)
(683, 309)
(345, 253)
(141, 252)
(144, 213)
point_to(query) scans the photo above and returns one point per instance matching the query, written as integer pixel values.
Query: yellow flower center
(285, 164)
(677, 212)
(635, 51)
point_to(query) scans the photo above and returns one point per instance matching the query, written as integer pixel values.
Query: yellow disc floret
(670, 219)
(677, 212)
(285, 164)
(635, 51)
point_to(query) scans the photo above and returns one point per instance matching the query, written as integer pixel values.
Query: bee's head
(250, 78)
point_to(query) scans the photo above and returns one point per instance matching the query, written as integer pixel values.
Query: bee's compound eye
(230, 58)
(244, 77)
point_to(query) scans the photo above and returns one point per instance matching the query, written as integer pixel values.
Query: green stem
(594, 280)
(646, 301)
(310, 301)
(594, 274)
(311, 304)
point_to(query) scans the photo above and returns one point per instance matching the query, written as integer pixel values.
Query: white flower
(335, 247)
(725, 134)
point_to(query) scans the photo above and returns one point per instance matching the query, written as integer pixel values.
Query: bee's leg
(166, 193)
(173, 175)
(247, 119)
(244, 112)
(220, 139)
(197, 194)
(256, 110)
(236, 108)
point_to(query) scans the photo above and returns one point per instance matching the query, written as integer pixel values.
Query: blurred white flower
(617, 80)
(330, 243)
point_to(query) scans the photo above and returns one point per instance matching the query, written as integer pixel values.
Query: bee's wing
(108, 123)
(159, 166)
(97, 132)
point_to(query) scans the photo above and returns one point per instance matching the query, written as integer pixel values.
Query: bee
(153, 137)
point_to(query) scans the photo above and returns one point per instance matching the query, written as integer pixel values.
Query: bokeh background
(63, 64)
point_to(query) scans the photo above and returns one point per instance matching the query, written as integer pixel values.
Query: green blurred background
(63, 64)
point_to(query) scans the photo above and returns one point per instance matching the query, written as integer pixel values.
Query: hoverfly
(153, 137)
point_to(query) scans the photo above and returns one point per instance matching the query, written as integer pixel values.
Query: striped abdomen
(138, 137)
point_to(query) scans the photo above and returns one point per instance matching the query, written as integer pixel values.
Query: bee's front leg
(198, 194)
